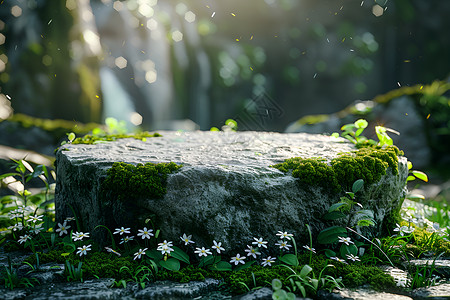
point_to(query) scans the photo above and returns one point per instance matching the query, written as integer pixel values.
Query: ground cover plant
(338, 256)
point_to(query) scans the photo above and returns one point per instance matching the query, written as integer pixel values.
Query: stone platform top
(206, 148)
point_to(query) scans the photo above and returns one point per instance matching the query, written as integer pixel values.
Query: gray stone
(438, 292)
(226, 189)
(174, 290)
(359, 294)
(261, 294)
(401, 277)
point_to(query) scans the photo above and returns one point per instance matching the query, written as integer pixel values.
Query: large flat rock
(226, 189)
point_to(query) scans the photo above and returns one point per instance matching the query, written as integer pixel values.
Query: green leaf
(9, 174)
(336, 206)
(289, 259)
(276, 284)
(334, 215)
(221, 266)
(359, 131)
(208, 260)
(365, 223)
(415, 197)
(348, 249)
(330, 235)
(420, 175)
(180, 255)
(348, 127)
(71, 137)
(357, 185)
(305, 271)
(410, 178)
(171, 264)
(154, 254)
(361, 123)
(335, 134)
(409, 164)
(329, 253)
(244, 266)
(279, 295)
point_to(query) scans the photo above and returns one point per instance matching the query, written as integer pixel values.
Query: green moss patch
(368, 163)
(129, 181)
(94, 139)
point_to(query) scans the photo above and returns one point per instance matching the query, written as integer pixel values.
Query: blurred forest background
(152, 62)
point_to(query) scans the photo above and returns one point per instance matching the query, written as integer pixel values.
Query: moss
(368, 163)
(425, 241)
(93, 139)
(105, 265)
(128, 181)
(57, 127)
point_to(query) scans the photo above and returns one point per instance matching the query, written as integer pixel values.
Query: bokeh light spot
(151, 76)
(136, 119)
(189, 16)
(16, 11)
(71, 4)
(120, 62)
(177, 36)
(377, 10)
(2, 39)
(146, 10)
(118, 5)
(152, 24)
(47, 60)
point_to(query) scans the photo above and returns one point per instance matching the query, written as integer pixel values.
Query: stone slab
(226, 189)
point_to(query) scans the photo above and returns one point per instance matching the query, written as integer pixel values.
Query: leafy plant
(279, 293)
(73, 273)
(13, 280)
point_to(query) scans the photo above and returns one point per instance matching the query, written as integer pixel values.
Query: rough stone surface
(438, 292)
(360, 294)
(226, 189)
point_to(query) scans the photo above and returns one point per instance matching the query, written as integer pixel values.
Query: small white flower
(36, 229)
(237, 259)
(352, 257)
(403, 229)
(139, 253)
(252, 251)
(283, 245)
(145, 233)
(338, 259)
(284, 235)
(83, 250)
(62, 228)
(121, 230)
(310, 249)
(24, 238)
(14, 215)
(16, 227)
(218, 246)
(259, 242)
(126, 239)
(268, 261)
(187, 239)
(113, 251)
(78, 236)
(203, 252)
(164, 249)
(34, 219)
(345, 240)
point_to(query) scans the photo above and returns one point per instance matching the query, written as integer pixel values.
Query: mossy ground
(367, 163)
(107, 265)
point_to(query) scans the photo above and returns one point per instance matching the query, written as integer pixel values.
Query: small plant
(73, 273)
(13, 280)
(279, 293)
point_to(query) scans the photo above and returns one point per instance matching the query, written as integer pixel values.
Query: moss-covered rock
(368, 163)
(126, 181)
(94, 139)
